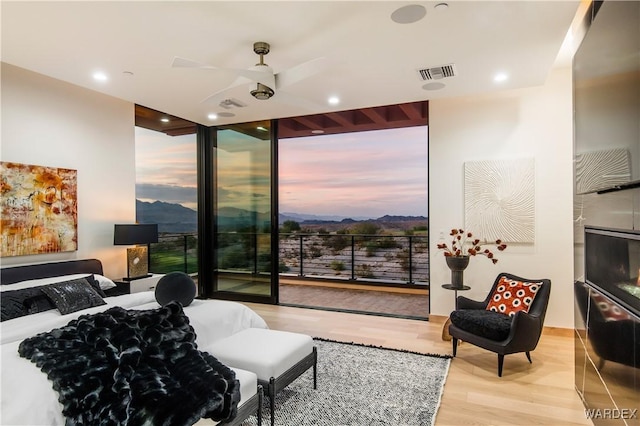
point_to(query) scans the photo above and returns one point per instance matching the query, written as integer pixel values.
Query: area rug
(363, 385)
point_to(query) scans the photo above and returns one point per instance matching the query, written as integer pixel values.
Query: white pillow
(104, 282)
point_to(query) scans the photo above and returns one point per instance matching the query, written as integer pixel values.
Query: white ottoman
(277, 357)
(250, 400)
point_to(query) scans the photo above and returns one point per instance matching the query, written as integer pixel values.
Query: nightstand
(136, 286)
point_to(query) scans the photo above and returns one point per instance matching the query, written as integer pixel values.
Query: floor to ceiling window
(242, 210)
(230, 172)
(166, 194)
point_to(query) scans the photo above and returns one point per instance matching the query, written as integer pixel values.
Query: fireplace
(612, 264)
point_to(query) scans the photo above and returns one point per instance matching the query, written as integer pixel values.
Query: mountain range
(175, 218)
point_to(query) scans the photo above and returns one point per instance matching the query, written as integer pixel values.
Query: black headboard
(16, 274)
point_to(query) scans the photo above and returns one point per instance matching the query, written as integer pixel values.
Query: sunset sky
(365, 174)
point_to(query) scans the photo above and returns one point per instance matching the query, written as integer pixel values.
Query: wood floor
(541, 393)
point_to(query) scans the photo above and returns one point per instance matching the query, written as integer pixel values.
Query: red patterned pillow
(609, 311)
(511, 296)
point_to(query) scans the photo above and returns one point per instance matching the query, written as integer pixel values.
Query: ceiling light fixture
(333, 100)
(434, 86)
(212, 116)
(500, 77)
(262, 92)
(317, 132)
(99, 76)
(164, 119)
(441, 6)
(262, 129)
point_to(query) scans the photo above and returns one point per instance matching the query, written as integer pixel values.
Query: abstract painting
(38, 209)
(499, 199)
(597, 170)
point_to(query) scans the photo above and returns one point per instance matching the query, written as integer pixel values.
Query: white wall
(52, 123)
(525, 123)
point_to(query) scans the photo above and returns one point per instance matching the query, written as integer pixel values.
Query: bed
(27, 394)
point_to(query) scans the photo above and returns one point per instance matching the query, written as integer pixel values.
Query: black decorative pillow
(96, 285)
(489, 324)
(72, 296)
(26, 301)
(175, 286)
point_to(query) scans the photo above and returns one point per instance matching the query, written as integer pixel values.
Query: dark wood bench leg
(315, 367)
(272, 398)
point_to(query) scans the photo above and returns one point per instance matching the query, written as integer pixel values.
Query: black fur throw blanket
(128, 367)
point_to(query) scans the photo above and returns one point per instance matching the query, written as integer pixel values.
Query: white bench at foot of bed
(277, 357)
(250, 400)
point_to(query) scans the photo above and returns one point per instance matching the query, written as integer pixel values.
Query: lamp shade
(129, 234)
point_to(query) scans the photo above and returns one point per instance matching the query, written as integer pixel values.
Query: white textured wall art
(499, 199)
(602, 169)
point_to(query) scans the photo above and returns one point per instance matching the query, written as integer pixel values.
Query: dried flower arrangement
(463, 244)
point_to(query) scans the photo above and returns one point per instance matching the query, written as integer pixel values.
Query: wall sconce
(140, 235)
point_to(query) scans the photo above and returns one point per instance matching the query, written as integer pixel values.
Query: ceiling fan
(264, 82)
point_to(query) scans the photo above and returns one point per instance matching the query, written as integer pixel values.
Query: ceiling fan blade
(300, 72)
(219, 95)
(179, 62)
(263, 77)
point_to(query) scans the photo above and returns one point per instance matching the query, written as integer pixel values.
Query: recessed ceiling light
(99, 76)
(333, 100)
(434, 86)
(317, 132)
(500, 77)
(409, 14)
(262, 129)
(212, 116)
(441, 6)
(164, 119)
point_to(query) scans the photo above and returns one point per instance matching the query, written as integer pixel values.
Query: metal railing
(386, 258)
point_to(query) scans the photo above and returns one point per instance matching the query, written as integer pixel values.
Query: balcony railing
(387, 258)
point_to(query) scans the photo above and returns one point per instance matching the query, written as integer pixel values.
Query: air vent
(231, 103)
(437, 73)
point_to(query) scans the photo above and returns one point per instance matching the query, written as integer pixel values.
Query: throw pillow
(609, 311)
(512, 296)
(175, 286)
(26, 301)
(72, 296)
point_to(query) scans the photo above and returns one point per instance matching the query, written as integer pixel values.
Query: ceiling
(368, 60)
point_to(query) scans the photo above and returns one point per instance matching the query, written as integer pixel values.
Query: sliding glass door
(242, 212)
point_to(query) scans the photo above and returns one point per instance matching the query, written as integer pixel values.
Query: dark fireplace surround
(608, 321)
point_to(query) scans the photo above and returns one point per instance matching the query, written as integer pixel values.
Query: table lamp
(140, 235)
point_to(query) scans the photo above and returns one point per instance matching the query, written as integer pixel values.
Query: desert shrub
(365, 228)
(337, 265)
(364, 271)
(336, 242)
(289, 226)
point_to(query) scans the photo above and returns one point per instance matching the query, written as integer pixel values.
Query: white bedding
(27, 397)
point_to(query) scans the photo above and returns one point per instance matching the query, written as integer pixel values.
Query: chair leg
(455, 345)
(529, 357)
(500, 363)
(315, 368)
(272, 398)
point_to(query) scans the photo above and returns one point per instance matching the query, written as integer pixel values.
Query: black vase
(457, 264)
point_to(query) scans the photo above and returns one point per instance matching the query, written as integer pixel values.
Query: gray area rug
(363, 385)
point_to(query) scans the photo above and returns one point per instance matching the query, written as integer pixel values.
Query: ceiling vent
(231, 103)
(437, 73)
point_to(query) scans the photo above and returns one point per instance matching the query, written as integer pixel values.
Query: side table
(456, 290)
(445, 328)
(136, 285)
